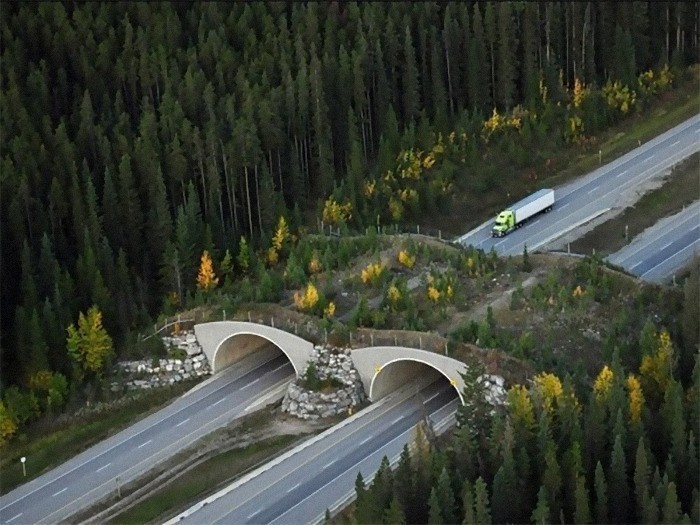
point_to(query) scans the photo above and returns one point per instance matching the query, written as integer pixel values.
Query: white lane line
(14, 518)
(563, 206)
(666, 246)
(182, 422)
(533, 223)
(676, 143)
(620, 174)
(594, 189)
(103, 467)
(327, 465)
(60, 492)
(648, 158)
(219, 401)
(144, 444)
(397, 420)
(295, 486)
(366, 440)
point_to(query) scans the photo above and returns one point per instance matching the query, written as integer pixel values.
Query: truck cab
(505, 221)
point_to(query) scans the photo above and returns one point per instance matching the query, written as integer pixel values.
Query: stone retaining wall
(148, 373)
(330, 363)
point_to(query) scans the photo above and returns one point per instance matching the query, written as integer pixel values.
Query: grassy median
(203, 479)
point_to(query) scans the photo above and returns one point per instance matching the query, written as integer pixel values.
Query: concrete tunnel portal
(382, 369)
(240, 345)
(399, 372)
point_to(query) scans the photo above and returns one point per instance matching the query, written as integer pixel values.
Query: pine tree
(601, 495)
(618, 488)
(582, 511)
(409, 78)
(482, 510)
(445, 497)
(641, 478)
(394, 514)
(671, 507)
(403, 482)
(540, 516)
(506, 66)
(434, 513)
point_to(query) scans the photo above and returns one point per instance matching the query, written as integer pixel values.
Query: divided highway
(95, 473)
(592, 195)
(299, 486)
(660, 251)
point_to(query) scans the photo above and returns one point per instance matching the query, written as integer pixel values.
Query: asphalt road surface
(660, 251)
(299, 487)
(592, 195)
(95, 473)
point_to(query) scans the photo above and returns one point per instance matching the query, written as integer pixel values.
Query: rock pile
(162, 372)
(330, 363)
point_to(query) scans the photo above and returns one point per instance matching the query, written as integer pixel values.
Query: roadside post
(24, 465)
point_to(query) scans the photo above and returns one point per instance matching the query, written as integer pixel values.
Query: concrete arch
(404, 372)
(371, 361)
(225, 342)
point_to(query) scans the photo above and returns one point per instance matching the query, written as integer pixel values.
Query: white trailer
(514, 216)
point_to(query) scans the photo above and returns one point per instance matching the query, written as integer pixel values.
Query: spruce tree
(601, 495)
(482, 509)
(541, 513)
(618, 488)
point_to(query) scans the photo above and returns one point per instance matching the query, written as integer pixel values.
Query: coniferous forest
(135, 136)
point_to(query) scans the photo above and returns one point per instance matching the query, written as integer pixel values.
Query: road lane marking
(14, 518)
(666, 246)
(563, 206)
(620, 174)
(144, 444)
(60, 492)
(397, 420)
(219, 401)
(366, 440)
(593, 190)
(675, 143)
(155, 422)
(692, 245)
(328, 465)
(648, 158)
(295, 486)
(103, 467)
(182, 422)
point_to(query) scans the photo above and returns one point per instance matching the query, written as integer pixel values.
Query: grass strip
(45, 450)
(203, 479)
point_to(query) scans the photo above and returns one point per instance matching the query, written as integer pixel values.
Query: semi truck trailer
(520, 212)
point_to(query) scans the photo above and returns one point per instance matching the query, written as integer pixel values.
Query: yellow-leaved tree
(89, 345)
(206, 278)
(8, 425)
(307, 299)
(657, 369)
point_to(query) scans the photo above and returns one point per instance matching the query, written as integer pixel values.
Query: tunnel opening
(400, 372)
(247, 346)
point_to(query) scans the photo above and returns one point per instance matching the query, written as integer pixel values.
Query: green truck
(522, 211)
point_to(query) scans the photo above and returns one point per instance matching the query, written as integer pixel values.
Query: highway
(589, 197)
(95, 473)
(321, 473)
(660, 251)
